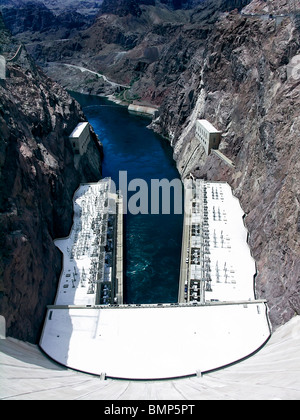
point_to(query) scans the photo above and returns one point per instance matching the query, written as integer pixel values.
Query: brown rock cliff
(245, 88)
(37, 182)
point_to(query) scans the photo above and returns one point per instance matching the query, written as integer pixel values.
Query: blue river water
(152, 241)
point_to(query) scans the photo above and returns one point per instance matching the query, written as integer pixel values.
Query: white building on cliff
(208, 135)
(80, 138)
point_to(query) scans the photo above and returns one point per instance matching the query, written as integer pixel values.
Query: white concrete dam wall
(272, 373)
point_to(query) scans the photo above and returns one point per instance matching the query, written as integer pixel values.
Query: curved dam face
(272, 373)
(154, 342)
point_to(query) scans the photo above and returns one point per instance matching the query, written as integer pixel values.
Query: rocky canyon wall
(37, 182)
(247, 85)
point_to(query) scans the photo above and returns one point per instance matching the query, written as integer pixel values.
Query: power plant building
(93, 271)
(208, 135)
(217, 264)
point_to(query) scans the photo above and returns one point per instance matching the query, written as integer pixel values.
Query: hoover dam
(90, 330)
(215, 342)
(217, 321)
(209, 308)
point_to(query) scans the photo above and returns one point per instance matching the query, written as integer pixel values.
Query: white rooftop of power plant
(83, 260)
(162, 341)
(154, 342)
(228, 257)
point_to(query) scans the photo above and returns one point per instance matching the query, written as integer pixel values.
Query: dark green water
(152, 241)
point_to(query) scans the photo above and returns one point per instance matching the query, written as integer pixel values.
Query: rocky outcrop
(88, 8)
(31, 17)
(37, 182)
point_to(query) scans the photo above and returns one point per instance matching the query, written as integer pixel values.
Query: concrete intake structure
(208, 135)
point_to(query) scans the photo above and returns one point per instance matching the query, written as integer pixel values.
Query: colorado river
(152, 241)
